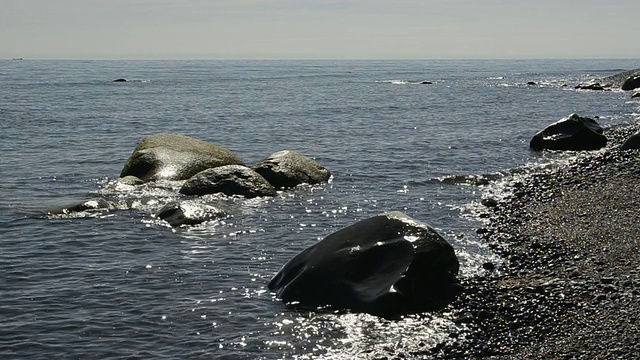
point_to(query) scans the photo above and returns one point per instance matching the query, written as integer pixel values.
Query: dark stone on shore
(230, 180)
(489, 202)
(175, 157)
(633, 142)
(287, 169)
(178, 214)
(571, 133)
(386, 265)
(633, 82)
(120, 80)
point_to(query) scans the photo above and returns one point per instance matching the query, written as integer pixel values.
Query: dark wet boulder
(120, 80)
(185, 213)
(631, 83)
(175, 157)
(635, 95)
(386, 265)
(426, 82)
(286, 169)
(531, 83)
(229, 180)
(571, 133)
(633, 142)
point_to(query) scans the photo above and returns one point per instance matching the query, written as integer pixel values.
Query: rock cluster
(179, 157)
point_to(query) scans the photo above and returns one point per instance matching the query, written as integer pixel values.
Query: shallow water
(121, 284)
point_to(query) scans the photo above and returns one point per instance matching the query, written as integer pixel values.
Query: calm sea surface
(121, 284)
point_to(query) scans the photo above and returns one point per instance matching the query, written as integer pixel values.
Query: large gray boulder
(386, 265)
(631, 83)
(229, 180)
(571, 133)
(287, 169)
(175, 157)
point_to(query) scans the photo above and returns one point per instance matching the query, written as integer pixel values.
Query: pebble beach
(570, 284)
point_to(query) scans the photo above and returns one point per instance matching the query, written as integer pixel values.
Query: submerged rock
(591, 86)
(386, 265)
(120, 80)
(571, 133)
(229, 180)
(286, 169)
(178, 214)
(175, 157)
(88, 205)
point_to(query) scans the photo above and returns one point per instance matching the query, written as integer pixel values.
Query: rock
(636, 95)
(386, 265)
(426, 82)
(120, 80)
(489, 266)
(531, 83)
(571, 133)
(489, 202)
(229, 180)
(633, 82)
(286, 169)
(178, 214)
(88, 205)
(591, 86)
(175, 157)
(633, 142)
(131, 180)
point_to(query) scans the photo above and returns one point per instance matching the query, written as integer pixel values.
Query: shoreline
(569, 286)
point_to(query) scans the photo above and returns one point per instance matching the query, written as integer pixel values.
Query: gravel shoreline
(570, 284)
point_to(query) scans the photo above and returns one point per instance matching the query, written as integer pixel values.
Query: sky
(319, 29)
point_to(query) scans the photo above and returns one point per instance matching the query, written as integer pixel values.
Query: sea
(119, 283)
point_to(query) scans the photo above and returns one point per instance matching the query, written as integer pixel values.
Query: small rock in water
(489, 202)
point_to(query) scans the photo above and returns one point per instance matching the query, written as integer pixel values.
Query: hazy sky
(319, 29)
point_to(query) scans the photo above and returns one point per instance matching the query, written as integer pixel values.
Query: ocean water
(119, 283)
